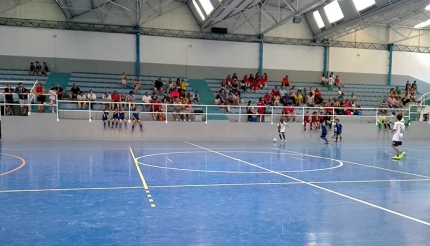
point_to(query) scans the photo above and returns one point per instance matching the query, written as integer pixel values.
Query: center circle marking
(238, 172)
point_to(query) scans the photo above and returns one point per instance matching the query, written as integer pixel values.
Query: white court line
(369, 166)
(235, 172)
(169, 159)
(297, 158)
(316, 186)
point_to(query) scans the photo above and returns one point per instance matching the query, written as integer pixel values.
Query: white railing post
(271, 115)
(29, 103)
(167, 107)
(56, 102)
(89, 111)
(206, 120)
(129, 112)
(376, 117)
(240, 113)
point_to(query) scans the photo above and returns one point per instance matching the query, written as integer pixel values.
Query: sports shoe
(396, 157)
(326, 143)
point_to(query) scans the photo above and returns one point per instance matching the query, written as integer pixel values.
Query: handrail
(423, 95)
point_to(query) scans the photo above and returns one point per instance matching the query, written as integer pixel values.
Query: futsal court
(213, 193)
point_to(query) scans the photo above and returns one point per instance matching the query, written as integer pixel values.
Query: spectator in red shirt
(254, 85)
(257, 76)
(245, 83)
(115, 97)
(275, 91)
(263, 81)
(286, 81)
(261, 108)
(289, 111)
(347, 105)
(268, 99)
(318, 96)
(156, 106)
(228, 80)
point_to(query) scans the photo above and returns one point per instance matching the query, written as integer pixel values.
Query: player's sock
(120, 125)
(325, 139)
(108, 123)
(104, 124)
(132, 127)
(310, 126)
(125, 123)
(283, 134)
(141, 127)
(116, 124)
(280, 137)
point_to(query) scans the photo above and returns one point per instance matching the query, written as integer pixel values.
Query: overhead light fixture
(428, 7)
(333, 11)
(318, 19)
(198, 10)
(363, 4)
(207, 6)
(423, 24)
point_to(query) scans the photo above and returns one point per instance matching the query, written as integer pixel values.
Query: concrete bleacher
(12, 76)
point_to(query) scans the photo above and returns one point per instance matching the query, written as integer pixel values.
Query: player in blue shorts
(136, 119)
(398, 130)
(105, 117)
(115, 117)
(338, 129)
(122, 118)
(323, 131)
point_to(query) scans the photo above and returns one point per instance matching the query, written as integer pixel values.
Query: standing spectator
(177, 109)
(32, 68)
(91, 98)
(23, 98)
(136, 84)
(323, 79)
(8, 98)
(146, 99)
(45, 69)
(186, 109)
(39, 91)
(60, 92)
(330, 83)
(183, 86)
(82, 100)
(156, 106)
(74, 92)
(52, 97)
(261, 108)
(250, 111)
(38, 68)
(408, 85)
(124, 80)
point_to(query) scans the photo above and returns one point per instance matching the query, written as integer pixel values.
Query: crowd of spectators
(286, 95)
(398, 99)
(36, 68)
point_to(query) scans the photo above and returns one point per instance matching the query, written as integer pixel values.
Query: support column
(390, 63)
(260, 54)
(137, 51)
(325, 61)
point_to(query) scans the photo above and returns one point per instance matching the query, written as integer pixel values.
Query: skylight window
(318, 19)
(333, 12)
(423, 24)
(363, 4)
(198, 10)
(207, 6)
(428, 7)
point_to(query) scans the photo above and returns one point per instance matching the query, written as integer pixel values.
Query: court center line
(369, 166)
(142, 178)
(316, 186)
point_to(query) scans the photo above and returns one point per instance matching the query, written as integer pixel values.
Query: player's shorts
(104, 118)
(323, 135)
(397, 143)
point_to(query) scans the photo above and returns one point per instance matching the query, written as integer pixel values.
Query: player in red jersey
(261, 109)
(306, 120)
(314, 120)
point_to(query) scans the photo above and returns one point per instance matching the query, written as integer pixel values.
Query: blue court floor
(213, 193)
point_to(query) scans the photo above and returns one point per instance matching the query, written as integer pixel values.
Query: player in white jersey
(398, 131)
(281, 129)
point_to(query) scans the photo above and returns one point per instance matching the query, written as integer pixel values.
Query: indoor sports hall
(161, 122)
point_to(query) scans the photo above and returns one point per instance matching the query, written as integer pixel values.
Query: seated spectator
(32, 68)
(275, 91)
(196, 98)
(8, 98)
(263, 81)
(348, 108)
(276, 100)
(82, 100)
(170, 86)
(74, 92)
(323, 79)
(267, 99)
(285, 81)
(23, 98)
(392, 102)
(223, 87)
(136, 84)
(234, 77)
(336, 105)
(175, 94)
(318, 97)
(107, 98)
(52, 97)
(383, 107)
(255, 85)
(167, 97)
(245, 83)
(186, 110)
(329, 107)
(282, 91)
(337, 81)
(228, 80)
(235, 87)
(60, 92)
(183, 85)
(177, 109)
(124, 80)
(163, 109)
(232, 98)
(250, 111)
(353, 98)
(45, 69)
(288, 111)
(146, 99)
(131, 98)
(158, 86)
(116, 98)
(217, 100)
(298, 99)
(39, 91)
(341, 97)
(310, 100)
(407, 97)
(91, 98)
(257, 76)
(38, 68)
(398, 91)
(123, 100)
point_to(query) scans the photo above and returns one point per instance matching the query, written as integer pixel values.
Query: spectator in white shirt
(196, 97)
(82, 100)
(91, 98)
(107, 98)
(146, 99)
